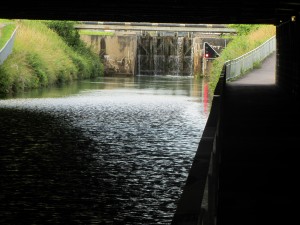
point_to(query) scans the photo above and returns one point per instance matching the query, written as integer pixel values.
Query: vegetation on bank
(96, 32)
(249, 37)
(47, 53)
(6, 32)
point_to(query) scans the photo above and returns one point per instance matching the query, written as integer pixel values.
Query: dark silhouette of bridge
(254, 128)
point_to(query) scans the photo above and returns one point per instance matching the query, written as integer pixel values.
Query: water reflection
(107, 151)
(155, 84)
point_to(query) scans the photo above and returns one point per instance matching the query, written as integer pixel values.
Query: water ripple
(98, 157)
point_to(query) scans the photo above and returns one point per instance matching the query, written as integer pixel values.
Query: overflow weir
(151, 48)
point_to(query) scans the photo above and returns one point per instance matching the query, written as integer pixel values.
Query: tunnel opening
(284, 15)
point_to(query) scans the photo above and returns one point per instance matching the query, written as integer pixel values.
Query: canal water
(113, 150)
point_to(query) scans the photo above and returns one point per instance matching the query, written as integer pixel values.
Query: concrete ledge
(189, 206)
(195, 194)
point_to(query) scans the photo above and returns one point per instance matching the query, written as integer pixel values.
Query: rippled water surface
(108, 151)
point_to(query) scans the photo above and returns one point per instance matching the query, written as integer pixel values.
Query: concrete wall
(165, 55)
(288, 57)
(117, 52)
(197, 59)
(129, 54)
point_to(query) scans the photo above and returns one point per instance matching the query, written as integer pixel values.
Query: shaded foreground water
(108, 151)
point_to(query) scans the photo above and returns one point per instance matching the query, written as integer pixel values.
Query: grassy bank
(249, 37)
(46, 53)
(6, 32)
(97, 33)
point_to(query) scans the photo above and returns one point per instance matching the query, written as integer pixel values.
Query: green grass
(42, 58)
(5, 33)
(97, 33)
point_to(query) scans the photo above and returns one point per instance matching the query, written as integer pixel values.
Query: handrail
(7, 48)
(246, 62)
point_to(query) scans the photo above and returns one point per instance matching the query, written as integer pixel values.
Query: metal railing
(246, 62)
(7, 48)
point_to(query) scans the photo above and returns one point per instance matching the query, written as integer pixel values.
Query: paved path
(262, 76)
(261, 136)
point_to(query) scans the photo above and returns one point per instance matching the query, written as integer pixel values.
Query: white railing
(247, 62)
(7, 48)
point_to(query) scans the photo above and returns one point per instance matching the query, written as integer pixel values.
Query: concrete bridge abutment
(288, 57)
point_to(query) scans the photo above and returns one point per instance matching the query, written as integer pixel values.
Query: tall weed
(41, 58)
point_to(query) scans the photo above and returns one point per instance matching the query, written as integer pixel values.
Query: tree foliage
(66, 30)
(244, 29)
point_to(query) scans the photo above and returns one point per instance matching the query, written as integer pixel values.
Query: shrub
(87, 61)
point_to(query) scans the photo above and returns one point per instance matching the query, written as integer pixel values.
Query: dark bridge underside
(179, 11)
(279, 186)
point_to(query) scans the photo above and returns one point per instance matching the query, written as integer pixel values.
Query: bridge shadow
(258, 156)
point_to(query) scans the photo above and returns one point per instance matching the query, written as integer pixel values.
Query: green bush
(5, 82)
(89, 65)
(66, 30)
(244, 29)
(40, 70)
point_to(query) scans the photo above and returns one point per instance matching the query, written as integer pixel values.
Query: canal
(113, 150)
